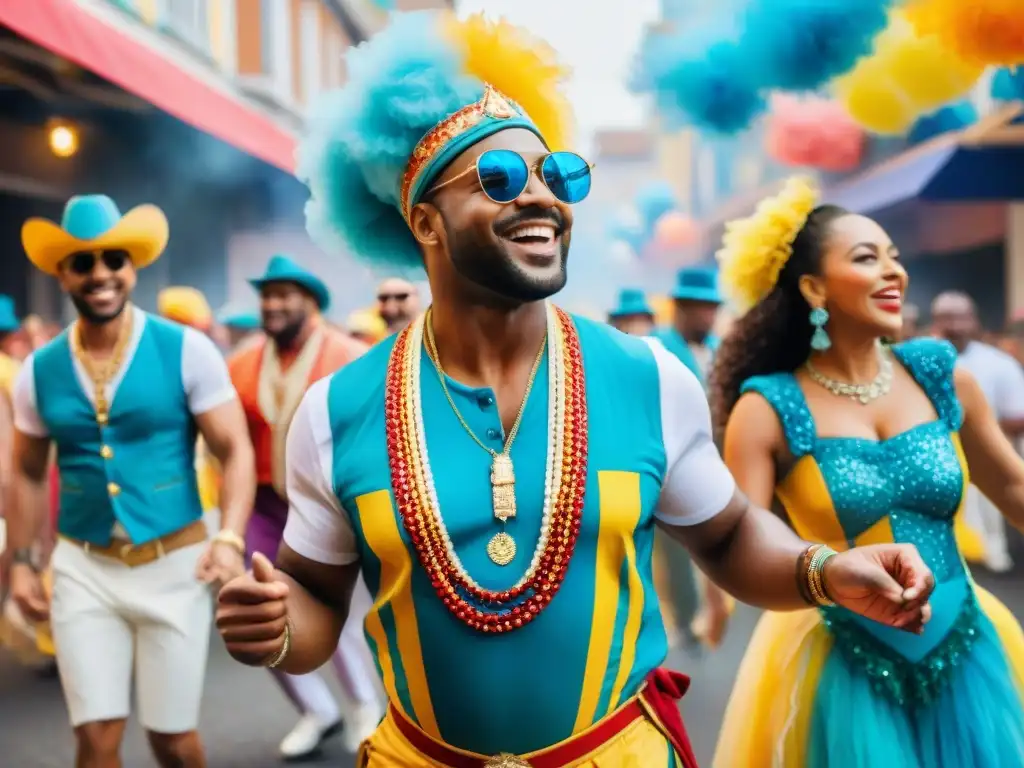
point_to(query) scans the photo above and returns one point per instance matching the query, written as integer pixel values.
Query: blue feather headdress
(419, 94)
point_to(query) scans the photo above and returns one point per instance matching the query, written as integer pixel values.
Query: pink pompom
(813, 133)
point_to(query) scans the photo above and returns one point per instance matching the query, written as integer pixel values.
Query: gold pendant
(501, 549)
(503, 487)
(505, 760)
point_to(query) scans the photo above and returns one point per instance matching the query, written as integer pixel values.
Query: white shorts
(110, 621)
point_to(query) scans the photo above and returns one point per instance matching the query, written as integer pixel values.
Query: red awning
(67, 29)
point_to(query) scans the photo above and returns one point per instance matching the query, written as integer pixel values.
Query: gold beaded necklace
(102, 372)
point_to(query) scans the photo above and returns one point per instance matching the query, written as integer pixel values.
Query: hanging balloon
(984, 32)
(675, 231)
(813, 133)
(653, 201)
(907, 76)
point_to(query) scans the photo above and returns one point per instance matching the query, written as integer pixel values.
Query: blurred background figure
(954, 318)
(911, 321)
(632, 315)
(398, 302)
(696, 302)
(366, 326)
(238, 327)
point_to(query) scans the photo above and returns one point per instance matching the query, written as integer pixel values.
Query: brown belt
(134, 555)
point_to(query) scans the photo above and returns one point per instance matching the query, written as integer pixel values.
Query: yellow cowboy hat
(94, 223)
(186, 305)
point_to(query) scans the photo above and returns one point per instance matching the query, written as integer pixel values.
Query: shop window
(188, 21)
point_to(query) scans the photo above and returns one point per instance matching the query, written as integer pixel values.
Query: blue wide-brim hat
(8, 317)
(697, 284)
(631, 302)
(282, 269)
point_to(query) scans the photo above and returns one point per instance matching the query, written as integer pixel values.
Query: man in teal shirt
(696, 303)
(496, 470)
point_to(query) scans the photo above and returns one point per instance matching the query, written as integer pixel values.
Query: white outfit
(1001, 379)
(111, 622)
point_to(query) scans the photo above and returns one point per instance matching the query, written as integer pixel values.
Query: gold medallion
(501, 549)
(505, 760)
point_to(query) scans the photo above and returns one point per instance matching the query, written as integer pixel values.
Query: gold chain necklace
(502, 547)
(102, 372)
(862, 393)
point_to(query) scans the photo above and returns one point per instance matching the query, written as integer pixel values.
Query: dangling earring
(820, 340)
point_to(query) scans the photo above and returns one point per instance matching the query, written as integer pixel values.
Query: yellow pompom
(985, 32)
(908, 75)
(521, 67)
(754, 250)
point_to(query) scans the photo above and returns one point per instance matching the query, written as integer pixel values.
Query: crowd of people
(492, 518)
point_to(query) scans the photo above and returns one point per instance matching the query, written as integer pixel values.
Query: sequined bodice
(907, 489)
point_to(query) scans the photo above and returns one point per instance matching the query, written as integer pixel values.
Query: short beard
(86, 312)
(285, 338)
(489, 266)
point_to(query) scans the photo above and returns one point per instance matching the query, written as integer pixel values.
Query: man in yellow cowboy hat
(122, 393)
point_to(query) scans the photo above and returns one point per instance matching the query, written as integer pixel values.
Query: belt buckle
(506, 760)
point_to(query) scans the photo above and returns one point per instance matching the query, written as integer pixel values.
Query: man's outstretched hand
(888, 583)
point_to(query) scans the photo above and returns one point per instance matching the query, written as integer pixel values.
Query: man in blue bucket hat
(697, 301)
(9, 323)
(122, 394)
(632, 315)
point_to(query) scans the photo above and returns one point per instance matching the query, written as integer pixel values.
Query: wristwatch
(24, 556)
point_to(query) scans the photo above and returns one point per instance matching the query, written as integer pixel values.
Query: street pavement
(245, 716)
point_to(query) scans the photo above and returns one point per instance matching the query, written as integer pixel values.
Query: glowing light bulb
(63, 140)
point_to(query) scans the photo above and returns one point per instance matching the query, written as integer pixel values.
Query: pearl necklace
(553, 469)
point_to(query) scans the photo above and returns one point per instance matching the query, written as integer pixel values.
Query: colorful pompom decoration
(984, 32)
(800, 45)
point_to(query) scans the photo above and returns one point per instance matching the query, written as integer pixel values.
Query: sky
(597, 44)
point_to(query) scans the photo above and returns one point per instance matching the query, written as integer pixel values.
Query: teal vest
(590, 650)
(139, 469)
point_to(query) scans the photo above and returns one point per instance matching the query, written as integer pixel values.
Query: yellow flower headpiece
(754, 250)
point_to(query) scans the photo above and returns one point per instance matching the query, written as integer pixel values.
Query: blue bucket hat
(697, 284)
(631, 302)
(281, 269)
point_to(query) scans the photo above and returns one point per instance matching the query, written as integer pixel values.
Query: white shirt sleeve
(26, 415)
(1009, 390)
(697, 484)
(318, 526)
(204, 372)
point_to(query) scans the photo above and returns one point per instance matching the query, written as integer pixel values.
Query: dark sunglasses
(504, 175)
(384, 297)
(84, 262)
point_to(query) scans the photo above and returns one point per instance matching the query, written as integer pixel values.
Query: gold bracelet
(232, 539)
(819, 554)
(282, 654)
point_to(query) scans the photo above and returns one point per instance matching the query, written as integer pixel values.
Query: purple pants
(266, 527)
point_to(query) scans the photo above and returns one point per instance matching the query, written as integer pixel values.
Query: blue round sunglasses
(504, 175)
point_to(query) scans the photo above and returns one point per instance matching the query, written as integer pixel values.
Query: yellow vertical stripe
(879, 533)
(147, 10)
(619, 509)
(805, 496)
(380, 530)
(633, 615)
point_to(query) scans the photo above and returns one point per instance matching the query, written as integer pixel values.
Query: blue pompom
(709, 87)
(653, 201)
(953, 117)
(800, 45)
(401, 84)
(1008, 84)
(627, 233)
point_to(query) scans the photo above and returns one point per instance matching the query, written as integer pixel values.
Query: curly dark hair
(775, 335)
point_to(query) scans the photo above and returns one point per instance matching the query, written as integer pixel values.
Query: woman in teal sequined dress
(853, 463)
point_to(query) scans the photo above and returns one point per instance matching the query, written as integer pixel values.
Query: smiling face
(861, 282)
(285, 308)
(516, 251)
(99, 283)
